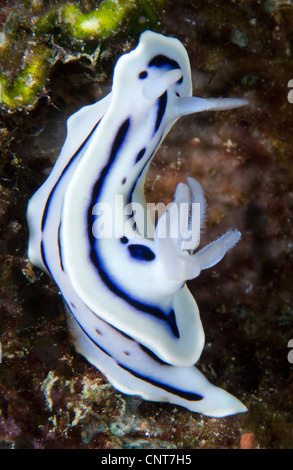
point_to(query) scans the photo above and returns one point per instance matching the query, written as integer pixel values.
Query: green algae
(22, 90)
(103, 22)
(32, 38)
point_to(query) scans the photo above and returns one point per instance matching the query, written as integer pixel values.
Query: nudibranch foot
(136, 371)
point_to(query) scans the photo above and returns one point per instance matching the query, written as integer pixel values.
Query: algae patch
(33, 39)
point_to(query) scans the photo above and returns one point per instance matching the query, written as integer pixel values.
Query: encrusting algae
(34, 38)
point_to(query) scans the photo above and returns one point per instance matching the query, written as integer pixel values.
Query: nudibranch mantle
(130, 311)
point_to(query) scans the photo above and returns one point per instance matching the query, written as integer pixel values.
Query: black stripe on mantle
(94, 253)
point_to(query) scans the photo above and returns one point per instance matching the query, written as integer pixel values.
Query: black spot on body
(124, 240)
(161, 110)
(141, 253)
(143, 75)
(140, 155)
(163, 61)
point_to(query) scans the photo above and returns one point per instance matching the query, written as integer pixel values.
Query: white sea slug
(130, 311)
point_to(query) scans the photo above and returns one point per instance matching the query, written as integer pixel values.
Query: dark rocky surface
(50, 397)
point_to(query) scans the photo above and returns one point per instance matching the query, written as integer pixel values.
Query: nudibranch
(130, 311)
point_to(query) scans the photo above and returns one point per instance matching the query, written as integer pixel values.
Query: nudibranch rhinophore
(130, 311)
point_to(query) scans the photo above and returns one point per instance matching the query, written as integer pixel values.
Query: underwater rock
(244, 162)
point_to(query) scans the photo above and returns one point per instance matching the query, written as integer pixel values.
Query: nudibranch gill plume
(129, 309)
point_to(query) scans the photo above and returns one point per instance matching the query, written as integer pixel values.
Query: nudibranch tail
(155, 381)
(194, 104)
(130, 311)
